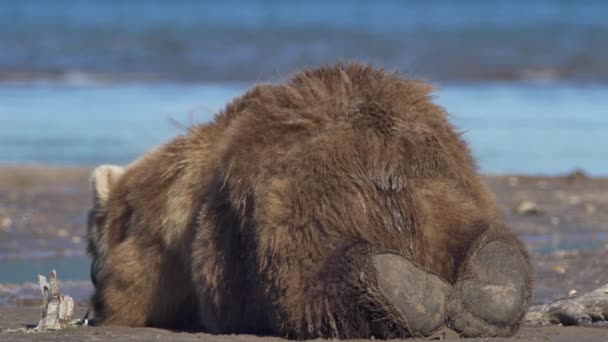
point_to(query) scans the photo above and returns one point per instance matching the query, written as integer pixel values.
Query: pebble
(590, 208)
(62, 232)
(76, 239)
(565, 254)
(5, 223)
(527, 207)
(577, 175)
(572, 293)
(559, 269)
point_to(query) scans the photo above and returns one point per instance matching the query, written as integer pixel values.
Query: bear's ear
(102, 179)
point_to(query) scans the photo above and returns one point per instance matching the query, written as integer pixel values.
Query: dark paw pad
(419, 296)
(491, 293)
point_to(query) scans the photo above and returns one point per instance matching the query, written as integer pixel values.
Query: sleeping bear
(339, 204)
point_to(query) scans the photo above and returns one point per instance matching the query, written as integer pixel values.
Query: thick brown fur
(286, 196)
(140, 231)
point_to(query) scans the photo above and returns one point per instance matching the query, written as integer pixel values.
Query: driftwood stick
(579, 310)
(57, 309)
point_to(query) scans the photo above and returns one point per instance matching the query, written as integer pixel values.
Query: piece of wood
(578, 310)
(57, 309)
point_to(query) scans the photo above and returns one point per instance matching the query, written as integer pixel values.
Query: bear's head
(103, 179)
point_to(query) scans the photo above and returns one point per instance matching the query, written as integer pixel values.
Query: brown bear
(140, 232)
(339, 204)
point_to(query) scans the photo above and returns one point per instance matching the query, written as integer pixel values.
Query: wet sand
(14, 318)
(563, 220)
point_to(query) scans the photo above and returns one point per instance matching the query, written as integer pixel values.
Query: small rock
(559, 269)
(576, 175)
(568, 254)
(527, 207)
(555, 220)
(76, 239)
(62, 232)
(5, 223)
(572, 293)
(590, 208)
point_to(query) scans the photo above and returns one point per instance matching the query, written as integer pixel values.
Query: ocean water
(242, 40)
(101, 81)
(512, 128)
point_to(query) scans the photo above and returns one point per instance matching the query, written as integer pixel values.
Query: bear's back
(350, 152)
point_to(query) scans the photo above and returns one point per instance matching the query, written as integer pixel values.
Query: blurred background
(96, 81)
(85, 82)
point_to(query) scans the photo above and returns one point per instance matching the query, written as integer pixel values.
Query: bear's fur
(286, 211)
(140, 229)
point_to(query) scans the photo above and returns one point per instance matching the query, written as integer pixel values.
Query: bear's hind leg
(362, 292)
(419, 296)
(493, 287)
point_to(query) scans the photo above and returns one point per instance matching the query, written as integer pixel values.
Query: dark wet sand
(13, 317)
(43, 214)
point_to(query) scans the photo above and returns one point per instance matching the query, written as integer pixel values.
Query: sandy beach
(563, 220)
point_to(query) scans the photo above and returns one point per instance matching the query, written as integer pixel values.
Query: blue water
(92, 125)
(20, 271)
(523, 128)
(101, 81)
(243, 40)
